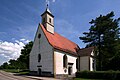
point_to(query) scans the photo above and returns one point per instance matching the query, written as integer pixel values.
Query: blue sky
(19, 20)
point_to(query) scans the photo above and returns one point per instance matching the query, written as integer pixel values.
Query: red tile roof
(85, 51)
(59, 42)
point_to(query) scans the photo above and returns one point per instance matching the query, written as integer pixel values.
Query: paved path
(10, 76)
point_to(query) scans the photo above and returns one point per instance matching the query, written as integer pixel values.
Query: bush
(111, 75)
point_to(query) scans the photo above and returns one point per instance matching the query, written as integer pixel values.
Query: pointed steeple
(47, 11)
(48, 20)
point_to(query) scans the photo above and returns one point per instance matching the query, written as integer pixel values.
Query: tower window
(50, 20)
(39, 57)
(43, 20)
(65, 61)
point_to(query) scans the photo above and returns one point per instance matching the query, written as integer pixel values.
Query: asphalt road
(10, 76)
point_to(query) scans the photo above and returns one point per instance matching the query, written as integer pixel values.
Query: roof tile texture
(60, 42)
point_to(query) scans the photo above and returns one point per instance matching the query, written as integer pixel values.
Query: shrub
(111, 75)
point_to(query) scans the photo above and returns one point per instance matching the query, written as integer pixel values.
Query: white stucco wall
(91, 64)
(52, 19)
(59, 62)
(84, 63)
(46, 51)
(49, 26)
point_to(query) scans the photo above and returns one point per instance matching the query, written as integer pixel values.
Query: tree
(12, 64)
(22, 62)
(24, 57)
(104, 34)
(4, 65)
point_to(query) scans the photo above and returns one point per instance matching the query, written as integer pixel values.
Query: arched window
(39, 36)
(65, 61)
(50, 20)
(39, 57)
(77, 63)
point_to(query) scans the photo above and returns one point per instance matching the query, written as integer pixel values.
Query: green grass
(87, 79)
(22, 72)
(11, 70)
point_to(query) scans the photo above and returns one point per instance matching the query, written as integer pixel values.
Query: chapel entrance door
(69, 70)
(39, 71)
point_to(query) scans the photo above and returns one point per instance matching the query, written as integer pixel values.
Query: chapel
(54, 55)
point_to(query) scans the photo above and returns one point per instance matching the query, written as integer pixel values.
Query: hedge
(110, 75)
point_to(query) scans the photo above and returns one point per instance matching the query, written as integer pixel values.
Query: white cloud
(48, 1)
(11, 50)
(53, 0)
(22, 39)
(25, 41)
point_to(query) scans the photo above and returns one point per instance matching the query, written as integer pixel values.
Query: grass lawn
(23, 72)
(87, 79)
(11, 70)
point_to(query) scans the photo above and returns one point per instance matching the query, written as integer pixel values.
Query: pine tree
(104, 34)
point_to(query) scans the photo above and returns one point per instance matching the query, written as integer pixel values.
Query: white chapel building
(55, 55)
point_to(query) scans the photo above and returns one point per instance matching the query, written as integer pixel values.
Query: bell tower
(48, 20)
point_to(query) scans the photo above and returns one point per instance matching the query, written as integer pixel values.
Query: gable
(41, 46)
(86, 51)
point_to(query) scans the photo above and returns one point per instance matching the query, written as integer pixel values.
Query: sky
(19, 20)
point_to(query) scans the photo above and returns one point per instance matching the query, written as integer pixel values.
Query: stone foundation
(43, 73)
(34, 73)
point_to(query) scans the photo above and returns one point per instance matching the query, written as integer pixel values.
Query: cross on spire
(47, 3)
(47, 6)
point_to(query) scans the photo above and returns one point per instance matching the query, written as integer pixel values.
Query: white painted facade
(91, 64)
(86, 63)
(48, 57)
(48, 22)
(41, 46)
(59, 62)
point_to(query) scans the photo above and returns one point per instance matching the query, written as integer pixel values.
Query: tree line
(22, 62)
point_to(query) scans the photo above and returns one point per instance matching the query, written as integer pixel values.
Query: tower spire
(48, 19)
(47, 5)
